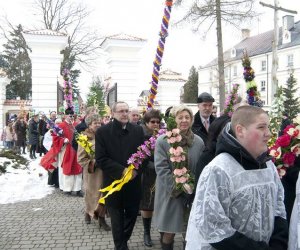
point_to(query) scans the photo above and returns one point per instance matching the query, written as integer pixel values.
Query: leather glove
(187, 199)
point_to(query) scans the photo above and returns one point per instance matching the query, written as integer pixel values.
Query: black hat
(69, 111)
(205, 97)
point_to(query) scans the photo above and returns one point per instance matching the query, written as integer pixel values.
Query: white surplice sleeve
(209, 221)
(279, 206)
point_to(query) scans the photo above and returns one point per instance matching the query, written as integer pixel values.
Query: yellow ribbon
(117, 184)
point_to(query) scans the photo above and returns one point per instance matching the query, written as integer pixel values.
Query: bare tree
(211, 13)
(67, 16)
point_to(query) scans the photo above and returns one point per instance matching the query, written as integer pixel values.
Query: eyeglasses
(123, 111)
(71, 116)
(157, 122)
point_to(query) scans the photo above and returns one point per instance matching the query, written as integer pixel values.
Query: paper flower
(253, 97)
(178, 155)
(286, 148)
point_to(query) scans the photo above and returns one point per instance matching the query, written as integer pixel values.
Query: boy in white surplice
(239, 199)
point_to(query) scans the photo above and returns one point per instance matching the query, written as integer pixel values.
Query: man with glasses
(115, 143)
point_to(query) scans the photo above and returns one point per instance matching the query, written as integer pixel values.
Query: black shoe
(147, 240)
(103, 224)
(87, 218)
(68, 193)
(31, 157)
(79, 194)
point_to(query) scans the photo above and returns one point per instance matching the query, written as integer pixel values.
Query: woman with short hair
(92, 175)
(169, 204)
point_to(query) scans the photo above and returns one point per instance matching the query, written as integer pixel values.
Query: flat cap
(205, 97)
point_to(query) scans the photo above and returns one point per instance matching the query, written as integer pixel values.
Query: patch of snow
(25, 183)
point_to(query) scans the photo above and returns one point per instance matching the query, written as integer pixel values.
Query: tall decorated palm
(253, 97)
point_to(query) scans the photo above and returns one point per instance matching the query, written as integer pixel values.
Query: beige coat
(92, 181)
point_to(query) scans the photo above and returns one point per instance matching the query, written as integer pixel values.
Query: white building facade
(122, 54)
(169, 90)
(259, 49)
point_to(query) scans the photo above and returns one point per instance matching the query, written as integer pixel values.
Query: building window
(263, 65)
(290, 60)
(262, 86)
(235, 71)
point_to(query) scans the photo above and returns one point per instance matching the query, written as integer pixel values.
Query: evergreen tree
(190, 88)
(18, 64)
(96, 96)
(3, 63)
(276, 115)
(291, 103)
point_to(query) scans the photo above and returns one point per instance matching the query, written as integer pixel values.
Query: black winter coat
(33, 133)
(20, 129)
(113, 147)
(207, 156)
(289, 185)
(198, 127)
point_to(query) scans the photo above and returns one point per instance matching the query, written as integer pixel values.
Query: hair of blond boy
(90, 110)
(245, 115)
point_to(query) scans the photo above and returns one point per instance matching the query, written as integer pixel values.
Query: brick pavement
(56, 222)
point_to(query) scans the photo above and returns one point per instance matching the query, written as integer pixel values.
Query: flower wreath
(184, 181)
(287, 147)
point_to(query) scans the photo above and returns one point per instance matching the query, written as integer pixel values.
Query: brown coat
(92, 181)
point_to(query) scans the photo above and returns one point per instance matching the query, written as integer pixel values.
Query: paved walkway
(56, 222)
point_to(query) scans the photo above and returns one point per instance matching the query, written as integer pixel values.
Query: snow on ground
(25, 183)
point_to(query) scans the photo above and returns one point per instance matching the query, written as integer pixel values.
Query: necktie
(206, 125)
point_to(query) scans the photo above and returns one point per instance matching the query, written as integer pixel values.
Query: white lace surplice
(295, 220)
(229, 199)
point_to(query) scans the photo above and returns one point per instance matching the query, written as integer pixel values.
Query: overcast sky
(142, 18)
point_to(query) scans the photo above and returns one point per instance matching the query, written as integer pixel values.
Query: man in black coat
(115, 143)
(203, 118)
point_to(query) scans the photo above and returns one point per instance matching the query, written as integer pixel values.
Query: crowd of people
(238, 201)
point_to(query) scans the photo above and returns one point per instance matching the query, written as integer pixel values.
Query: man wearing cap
(203, 118)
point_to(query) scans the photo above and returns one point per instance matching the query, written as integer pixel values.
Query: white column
(45, 58)
(3, 82)
(123, 61)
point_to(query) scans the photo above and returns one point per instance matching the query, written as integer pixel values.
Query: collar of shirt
(203, 120)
